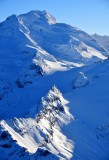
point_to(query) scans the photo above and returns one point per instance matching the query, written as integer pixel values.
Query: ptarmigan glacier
(53, 90)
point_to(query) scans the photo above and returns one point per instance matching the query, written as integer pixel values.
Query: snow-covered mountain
(43, 130)
(102, 40)
(53, 91)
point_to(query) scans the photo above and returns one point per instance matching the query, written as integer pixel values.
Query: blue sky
(91, 16)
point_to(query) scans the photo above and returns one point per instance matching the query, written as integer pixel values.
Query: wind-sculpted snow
(44, 129)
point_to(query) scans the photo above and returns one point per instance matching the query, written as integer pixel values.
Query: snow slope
(36, 53)
(102, 40)
(88, 132)
(43, 130)
(36, 32)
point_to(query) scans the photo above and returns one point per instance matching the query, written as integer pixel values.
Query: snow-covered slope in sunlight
(33, 45)
(36, 53)
(43, 130)
(61, 46)
(9, 149)
(88, 103)
(102, 40)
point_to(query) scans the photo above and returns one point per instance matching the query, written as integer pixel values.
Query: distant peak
(12, 17)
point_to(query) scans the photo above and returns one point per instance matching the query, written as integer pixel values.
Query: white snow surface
(43, 131)
(103, 41)
(37, 53)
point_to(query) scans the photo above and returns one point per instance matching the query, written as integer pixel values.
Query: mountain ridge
(36, 53)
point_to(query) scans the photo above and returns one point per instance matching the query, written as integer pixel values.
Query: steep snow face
(102, 40)
(44, 129)
(37, 37)
(36, 52)
(88, 133)
(38, 17)
(10, 150)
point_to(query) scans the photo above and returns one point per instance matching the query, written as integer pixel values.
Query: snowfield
(54, 85)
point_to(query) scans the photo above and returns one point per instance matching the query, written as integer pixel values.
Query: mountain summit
(53, 90)
(39, 17)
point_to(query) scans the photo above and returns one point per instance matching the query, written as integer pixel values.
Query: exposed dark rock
(6, 145)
